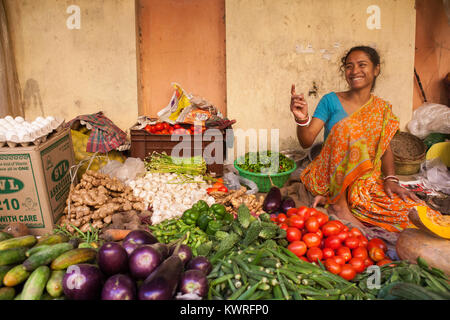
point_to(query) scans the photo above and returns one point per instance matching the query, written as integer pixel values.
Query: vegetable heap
(250, 261)
(163, 163)
(315, 239)
(261, 162)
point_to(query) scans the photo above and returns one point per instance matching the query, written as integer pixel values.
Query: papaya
(437, 226)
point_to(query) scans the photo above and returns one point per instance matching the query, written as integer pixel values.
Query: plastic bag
(428, 118)
(179, 101)
(93, 161)
(234, 182)
(129, 170)
(435, 175)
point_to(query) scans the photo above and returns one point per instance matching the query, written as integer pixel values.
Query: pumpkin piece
(413, 243)
(439, 226)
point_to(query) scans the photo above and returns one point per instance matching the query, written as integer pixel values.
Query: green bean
(282, 285)
(221, 279)
(277, 292)
(289, 275)
(322, 281)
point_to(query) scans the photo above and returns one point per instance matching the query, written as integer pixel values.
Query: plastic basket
(263, 180)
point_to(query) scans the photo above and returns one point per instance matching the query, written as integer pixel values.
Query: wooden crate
(144, 143)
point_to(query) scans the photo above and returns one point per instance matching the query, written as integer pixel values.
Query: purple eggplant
(112, 258)
(272, 201)
(162, 248)
(136, 238)
(83, 282)
(200, 263)
(184, 252)
(119, 287)
(163, 282)
(195, 282)
(143, 261)
(287, 204)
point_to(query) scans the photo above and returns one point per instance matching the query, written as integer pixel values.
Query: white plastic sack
(234, 182)
(435, 175)
(429, 118)
(129, 170)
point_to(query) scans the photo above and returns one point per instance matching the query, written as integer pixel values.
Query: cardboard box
(35, 182)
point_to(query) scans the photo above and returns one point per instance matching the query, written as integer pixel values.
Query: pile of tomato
(167, 128)
(343, 251)
(217, 186)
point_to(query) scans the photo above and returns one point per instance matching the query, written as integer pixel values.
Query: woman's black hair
(371, 53)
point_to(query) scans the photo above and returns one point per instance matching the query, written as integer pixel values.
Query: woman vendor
(354, 174)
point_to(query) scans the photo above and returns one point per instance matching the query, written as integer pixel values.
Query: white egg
(39, 119)
(11, 136)
(24, 136)
(50, 118)
(8, 118)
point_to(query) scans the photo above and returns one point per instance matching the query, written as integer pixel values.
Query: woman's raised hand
(299, 107)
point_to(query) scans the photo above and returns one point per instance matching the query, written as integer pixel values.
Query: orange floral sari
(350, 162)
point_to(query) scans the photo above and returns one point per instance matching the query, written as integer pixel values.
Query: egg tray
(16, 132)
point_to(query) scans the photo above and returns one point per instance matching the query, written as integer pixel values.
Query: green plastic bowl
(263, 180)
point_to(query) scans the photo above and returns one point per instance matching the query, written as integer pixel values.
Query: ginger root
(95, 199)
(234, 198)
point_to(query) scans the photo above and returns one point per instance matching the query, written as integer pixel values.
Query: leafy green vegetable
(266, 162)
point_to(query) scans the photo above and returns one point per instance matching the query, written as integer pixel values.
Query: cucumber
(54, 285)
(7, 293)
(15, 276)
(4, 270)
(35, 285)
(36, 249)
(46, 256)
(12, 256)
(52, 239)
(74, 256)
(25, 241)
(5, 236)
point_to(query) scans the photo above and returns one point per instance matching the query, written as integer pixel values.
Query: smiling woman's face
(360, 72)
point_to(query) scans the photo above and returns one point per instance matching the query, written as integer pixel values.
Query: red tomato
(319, 233)
(345, 229)
(298, 248)
(327, 253)
(339, 260)
(282, 217)
(332, 266)
(342, 236)
(164, 131)
(313, 212)
(340, 224)
(332, 242)
(363, 242)
(210, 190)
(368, 262)
(171, 130)
(347, 272)
(166, 125)
(293, 234)
(291, 212)
(352, 242)
(313, 254)
(330, 229)
(188, 131)
(303, 212)
(304, 258)
(357, 264)
(177, 126)
(223, 189)
(376, 254)
(148, 128)
(385, 261)
(322, 218)
(345, 253)
(284, 226)
(159, 126)
(378, 243)
(311, 240)
(312, 224)
(295, 221)
(355, 232)
(360, 252)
